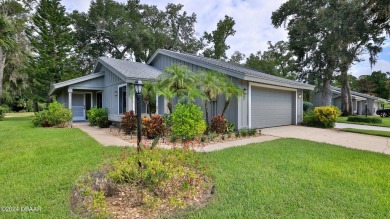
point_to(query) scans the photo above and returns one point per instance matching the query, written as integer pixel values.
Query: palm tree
(148, 94)
(211, 84)
(179, 79)
(168, 95)
(230, 90)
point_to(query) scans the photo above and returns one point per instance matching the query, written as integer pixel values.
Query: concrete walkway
(332, 136)
(109, 140)
(100, 136)
(364, 127)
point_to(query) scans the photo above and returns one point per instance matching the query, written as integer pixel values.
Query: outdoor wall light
(116, 93)
(244, 90)
(299, 95)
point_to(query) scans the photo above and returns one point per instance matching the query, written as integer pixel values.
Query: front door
(78, 106)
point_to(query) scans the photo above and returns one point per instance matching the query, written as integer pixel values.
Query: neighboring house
(270, 100)
(359, 101)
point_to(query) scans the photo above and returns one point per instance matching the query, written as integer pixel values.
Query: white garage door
(271, 107)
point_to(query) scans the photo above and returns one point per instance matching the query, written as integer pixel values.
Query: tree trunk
(225, 106)
(36, 109)
(346, 99)
(326, 93)
(169, 105)
(2, 66)
(207, 113)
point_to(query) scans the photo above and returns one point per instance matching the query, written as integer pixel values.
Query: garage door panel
(271, 107)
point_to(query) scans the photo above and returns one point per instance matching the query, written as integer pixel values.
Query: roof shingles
(134, 70)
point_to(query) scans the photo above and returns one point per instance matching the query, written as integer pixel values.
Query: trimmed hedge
(364, 119)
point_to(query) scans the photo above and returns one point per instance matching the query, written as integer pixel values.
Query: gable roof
(239, 71)
(359, 94)
(127, 70)
(74, 81)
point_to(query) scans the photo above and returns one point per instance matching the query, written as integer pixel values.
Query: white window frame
(119, 86)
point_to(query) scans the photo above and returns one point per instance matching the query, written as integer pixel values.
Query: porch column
(156, 103)
(70, 91)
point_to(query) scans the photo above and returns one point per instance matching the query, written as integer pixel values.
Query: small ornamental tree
(187, 121)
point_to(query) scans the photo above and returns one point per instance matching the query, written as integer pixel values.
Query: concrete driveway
(332, 136)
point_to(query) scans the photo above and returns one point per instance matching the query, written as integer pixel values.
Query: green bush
(187, 121)
(1, 113)
(5, 108)
(99, 117)
(56, 115)
(324, 116)
(306, 106)
(364, 119)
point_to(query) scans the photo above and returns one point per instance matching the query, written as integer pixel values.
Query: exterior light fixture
(299, 95)
(138, 92)
(116, 93)
(244, 90)
(138, 86)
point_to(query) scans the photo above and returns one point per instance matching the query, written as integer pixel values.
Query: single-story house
(269, 100)
(359, 101)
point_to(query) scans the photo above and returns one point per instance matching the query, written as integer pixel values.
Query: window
(122, 97)
(99, 100)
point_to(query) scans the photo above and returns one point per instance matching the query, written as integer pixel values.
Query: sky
(253, 25)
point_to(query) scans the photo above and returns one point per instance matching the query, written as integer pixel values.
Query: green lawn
(367, 132)
(283, 178)
(38, 166)
(26, 114)
(385, 121)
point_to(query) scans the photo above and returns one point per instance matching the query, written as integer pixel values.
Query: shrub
(152, 127)
(306, 106)
(187, 120)
(99, 117)
(56, 115)
(324, 116)
(364, 119)
(5, 108)
(129, 122)
(165, 173)
(1, 113)
(244, 132)
(219, 124)
(230, 127)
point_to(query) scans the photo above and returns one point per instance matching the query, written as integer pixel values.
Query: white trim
(119, 86)
(157, 104)
(270, 87)
(250, 105)
(74, 81)
(296, 107)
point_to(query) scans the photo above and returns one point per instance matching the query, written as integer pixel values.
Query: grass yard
(26, 114)
(367, 132)
(38, 166)
(283, 178)
(385, 121)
